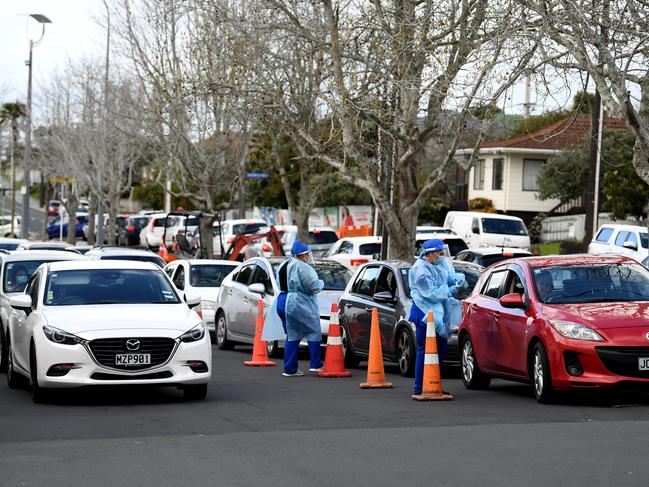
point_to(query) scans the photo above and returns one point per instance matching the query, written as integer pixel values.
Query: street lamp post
(27, 164)
(102, 163)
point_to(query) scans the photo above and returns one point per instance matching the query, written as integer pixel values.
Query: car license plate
(643, 363)
(130, 359)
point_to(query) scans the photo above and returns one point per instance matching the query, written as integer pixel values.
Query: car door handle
(348, 305)
(245, 299)
(368, 309)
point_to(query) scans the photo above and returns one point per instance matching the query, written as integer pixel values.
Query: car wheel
(406, 353)
(195, 392)
(351, 360)
(273, 348)
(472, 376)
(3, 351)
(14, 379)
(222, 333)
(39, 394)
(541, 375)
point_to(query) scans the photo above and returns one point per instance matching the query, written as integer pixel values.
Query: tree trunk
(91, 219)
(207, 239)
(112, 218)
(71, 202)
(49, 192)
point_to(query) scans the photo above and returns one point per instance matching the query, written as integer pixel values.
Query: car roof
(572, 259)
(233, 263)
(12, 240)
(478, 214)
(498, 250)
(23, 255)
(241, 220)
(35, 245)
(619, 226)
(441, 236)
(120, 251)
(101, 264)
(362, 240)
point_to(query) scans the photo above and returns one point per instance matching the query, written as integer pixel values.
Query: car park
(15, 270)
(384, 285)
(151, 235)
(236, 307)
(490, 255)
(120, 222)
(53, 208)
(129, 232)
(354, 251)
(629, 240)
(454, 243)
(320, 239)
(54, 229)
(488, 229)
(105, 323)
(201, 277)
(9, 243)
(121, 253)
(226, 230)
(569, 322)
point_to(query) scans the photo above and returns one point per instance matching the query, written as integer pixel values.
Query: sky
(73, 34)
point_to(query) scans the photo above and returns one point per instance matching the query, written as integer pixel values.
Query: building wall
(512, 198)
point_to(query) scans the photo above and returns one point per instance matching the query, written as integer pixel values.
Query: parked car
(129, 232)
(225, 231)
(120, 222)
(455, 244)
(50, 245)
(201, 277)
(490, 255)
(15, 270)
(236, 307)
(81, 249)
(384, 285)
(53, 208)
(354, 251)
(54, 228)
(488, 229)
(151, 235)
(561, 322)
(121, 253)
(9, 243)
(141, 331)
(320, 240)
(5, 226)
(629, 240)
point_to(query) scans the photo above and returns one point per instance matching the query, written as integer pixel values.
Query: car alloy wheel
(272, 347)
(222, 333)
(468, 362)
(472, 376)
(538, 374)
(350, 359)
(541, 376)
(405, 353)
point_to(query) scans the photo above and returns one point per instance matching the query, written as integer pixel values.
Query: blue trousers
(417, 317)
(291, 347)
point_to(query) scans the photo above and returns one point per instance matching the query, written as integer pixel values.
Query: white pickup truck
(629, 240)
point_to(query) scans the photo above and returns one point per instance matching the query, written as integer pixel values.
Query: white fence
(566, 227)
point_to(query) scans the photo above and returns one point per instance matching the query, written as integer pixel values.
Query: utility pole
(100, 200)
(593, 171)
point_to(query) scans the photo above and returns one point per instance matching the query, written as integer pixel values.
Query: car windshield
(597, 283)
(487, 260)
(644, 240)
(247, 227)
(209, 275)
(503, 227)
(369, 249)
(335, 277)
(159, 261)
(323, 237)
(9, 246)
(172, 221)
(108, 286)
(17, 274)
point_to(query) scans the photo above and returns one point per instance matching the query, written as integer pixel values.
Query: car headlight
(208, 306)
(194, 334)
(576, 331)
(61, 337)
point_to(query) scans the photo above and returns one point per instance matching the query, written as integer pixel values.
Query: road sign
(257, 175)
(61, 179)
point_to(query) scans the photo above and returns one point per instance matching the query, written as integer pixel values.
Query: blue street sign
(257, 175)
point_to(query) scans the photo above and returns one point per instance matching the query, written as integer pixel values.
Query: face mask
(21, 279)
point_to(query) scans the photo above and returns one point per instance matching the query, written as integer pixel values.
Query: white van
(488, 229)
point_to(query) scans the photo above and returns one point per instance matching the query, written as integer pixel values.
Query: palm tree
(12, 112)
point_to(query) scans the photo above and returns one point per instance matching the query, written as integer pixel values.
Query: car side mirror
(257, 288)
(384, 297)
(21, 302)
(630, 245)
(513, 300)
(192, 300)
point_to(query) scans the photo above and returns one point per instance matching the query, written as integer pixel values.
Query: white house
(506, 171)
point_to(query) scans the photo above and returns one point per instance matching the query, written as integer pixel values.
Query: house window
(478, 174)
(497, 179)
(531, 171)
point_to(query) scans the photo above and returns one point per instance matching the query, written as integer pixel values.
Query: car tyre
(3, 351)
(406, 353)
(195, 392)
(39, 395)
(541, 375)
(14, 379)
(273, 349)
(222, 333)
(351, 360)
(472, 376)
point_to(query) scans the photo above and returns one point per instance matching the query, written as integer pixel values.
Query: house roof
(558, 136)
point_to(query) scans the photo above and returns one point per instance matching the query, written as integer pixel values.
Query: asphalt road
(259, 428)
(36, 214)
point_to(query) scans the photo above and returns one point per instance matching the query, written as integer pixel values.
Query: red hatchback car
(560, 322)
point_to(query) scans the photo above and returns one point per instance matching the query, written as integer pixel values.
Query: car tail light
(359, 261)
(131, 229)
(266, 247)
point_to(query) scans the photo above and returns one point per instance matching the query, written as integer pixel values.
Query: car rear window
(324, 237)
(369, 249)
(247, 227)
(503, 227)
(172, 221)
(604, 234)
(209, 275)
(487, 260)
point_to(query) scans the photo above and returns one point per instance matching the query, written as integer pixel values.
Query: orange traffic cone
(375, 372)
(334, 365)
(162, 251)
(432, 387)
(259, 350)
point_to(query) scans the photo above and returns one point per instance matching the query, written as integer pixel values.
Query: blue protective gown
(302, 313)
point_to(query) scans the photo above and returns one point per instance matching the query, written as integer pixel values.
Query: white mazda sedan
(106, 322)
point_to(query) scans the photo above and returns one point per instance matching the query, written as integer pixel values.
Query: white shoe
(319, 369)
(299, 373)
